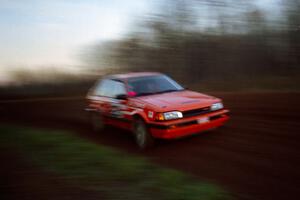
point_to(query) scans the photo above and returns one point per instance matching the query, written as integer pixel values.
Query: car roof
(132, 75)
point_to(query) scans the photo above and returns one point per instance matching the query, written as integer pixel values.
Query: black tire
(143, 138)
(97, 122)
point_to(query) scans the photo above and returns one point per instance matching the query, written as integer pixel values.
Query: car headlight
(169, 115)
(216, 106)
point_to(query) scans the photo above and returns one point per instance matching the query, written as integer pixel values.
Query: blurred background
(208, 45)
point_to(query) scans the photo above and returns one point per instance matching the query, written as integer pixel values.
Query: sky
(51, 32)
(42, 33)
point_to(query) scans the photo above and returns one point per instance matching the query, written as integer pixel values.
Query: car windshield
(147, 85)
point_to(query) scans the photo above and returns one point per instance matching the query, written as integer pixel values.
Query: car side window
(118, 88)
(109, 88)
(101, 88)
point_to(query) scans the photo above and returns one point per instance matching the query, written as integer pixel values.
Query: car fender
(141, 114)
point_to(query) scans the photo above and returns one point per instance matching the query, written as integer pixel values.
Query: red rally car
(152, 105)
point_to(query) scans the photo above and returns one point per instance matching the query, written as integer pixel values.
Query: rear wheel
(97, 122)
(142, 136)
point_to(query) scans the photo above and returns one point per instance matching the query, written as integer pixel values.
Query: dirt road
(256, 155)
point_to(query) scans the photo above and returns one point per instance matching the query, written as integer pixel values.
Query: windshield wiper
(159, 92)
(146, 93)
(171, 90)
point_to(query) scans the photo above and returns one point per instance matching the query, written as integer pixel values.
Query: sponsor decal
(150, 114)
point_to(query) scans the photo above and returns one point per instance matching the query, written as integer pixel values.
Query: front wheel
(142, 137)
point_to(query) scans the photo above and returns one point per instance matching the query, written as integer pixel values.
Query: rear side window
(109, 88)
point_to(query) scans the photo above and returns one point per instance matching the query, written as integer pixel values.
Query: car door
(118, 106)
(99, 97)
(104, 100)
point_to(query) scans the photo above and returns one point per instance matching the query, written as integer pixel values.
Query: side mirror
(121, 96)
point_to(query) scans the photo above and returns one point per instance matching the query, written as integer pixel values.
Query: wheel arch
(136, 117)
(140, 115)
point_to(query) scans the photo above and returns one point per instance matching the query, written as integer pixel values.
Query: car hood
(181, 100)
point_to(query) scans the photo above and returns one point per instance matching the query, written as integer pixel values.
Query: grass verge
(115, 174)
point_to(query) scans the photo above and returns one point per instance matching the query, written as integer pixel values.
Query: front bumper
(188, 126)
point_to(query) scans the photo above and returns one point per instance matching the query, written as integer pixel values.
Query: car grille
(195, 112)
